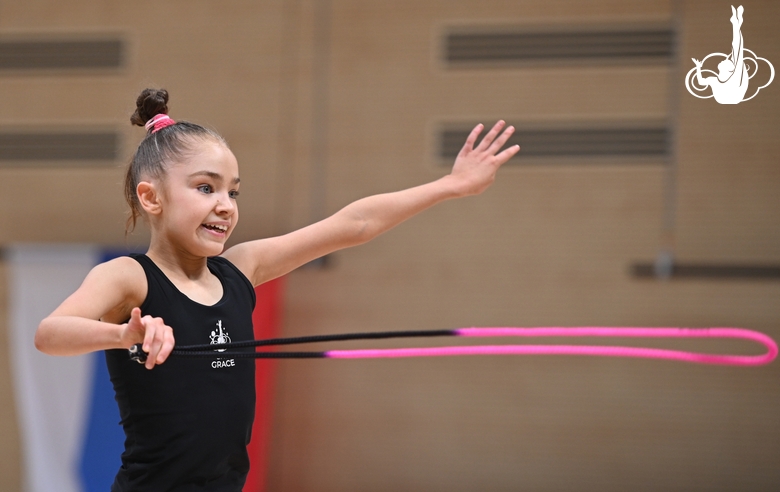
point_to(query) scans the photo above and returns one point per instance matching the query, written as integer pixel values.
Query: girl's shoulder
(109, 292)
(123, 281)
(121, 269)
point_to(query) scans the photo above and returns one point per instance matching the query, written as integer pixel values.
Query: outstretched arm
(359, 222)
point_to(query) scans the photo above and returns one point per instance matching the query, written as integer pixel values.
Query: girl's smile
(218, 229)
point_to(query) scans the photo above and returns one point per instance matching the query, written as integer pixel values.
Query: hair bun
(150, 103)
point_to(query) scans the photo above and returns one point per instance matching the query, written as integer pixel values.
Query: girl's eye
(234, 194)
(204, 188)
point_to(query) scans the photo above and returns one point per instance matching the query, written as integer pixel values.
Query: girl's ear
(149, 197)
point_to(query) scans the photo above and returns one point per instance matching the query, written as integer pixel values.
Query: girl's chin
(215, 247)
(210, 247)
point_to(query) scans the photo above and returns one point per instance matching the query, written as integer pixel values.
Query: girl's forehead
(208, 158)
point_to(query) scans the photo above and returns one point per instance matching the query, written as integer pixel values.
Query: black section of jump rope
(316, 338)
(254, 355)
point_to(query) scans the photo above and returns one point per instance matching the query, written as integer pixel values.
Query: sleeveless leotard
(187, 421)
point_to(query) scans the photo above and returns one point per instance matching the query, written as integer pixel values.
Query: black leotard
(187, 421)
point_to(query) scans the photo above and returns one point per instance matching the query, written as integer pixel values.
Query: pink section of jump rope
(608, 351)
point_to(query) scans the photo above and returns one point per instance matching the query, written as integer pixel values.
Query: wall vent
(60, 54)
(45, 149)
(709, 271)
(595, 141)
(503, 46)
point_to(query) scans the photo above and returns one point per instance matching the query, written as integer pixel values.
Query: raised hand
(153, 333)
(697, 62)
(475, 167)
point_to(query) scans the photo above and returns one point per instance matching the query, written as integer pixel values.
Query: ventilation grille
(21, 149)
(709, 271)
(651, 141)
(60, 54)
(502, 47)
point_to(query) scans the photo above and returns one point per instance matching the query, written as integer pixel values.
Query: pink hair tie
(159, 122)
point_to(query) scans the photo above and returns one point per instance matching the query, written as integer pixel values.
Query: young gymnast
(188, 421)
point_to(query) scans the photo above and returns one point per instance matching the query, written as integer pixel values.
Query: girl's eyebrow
(214, 175)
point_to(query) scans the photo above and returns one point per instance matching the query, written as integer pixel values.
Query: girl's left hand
(475, 168)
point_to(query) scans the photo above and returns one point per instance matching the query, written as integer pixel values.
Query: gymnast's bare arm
(474, 170)
(95, 317)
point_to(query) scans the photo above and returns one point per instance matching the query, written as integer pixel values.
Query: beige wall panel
(544, 246)
(297, 97)
(219, 62)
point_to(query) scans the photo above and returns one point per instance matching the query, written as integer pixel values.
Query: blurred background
(632, 203)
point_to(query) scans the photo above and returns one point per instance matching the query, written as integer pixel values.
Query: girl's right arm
(93, 318)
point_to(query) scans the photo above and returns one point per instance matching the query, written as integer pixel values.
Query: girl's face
(199, 209)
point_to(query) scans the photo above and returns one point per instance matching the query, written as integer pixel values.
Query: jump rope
(228, 349)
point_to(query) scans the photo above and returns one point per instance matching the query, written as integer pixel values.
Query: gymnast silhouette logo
(220, 335)
(730, 84)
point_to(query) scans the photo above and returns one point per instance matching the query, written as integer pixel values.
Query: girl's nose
(225, 204)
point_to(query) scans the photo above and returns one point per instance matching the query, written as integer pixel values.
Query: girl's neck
(189, 274)
(177, 262)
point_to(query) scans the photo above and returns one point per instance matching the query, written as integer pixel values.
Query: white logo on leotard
(730, 84)
(220, 335)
